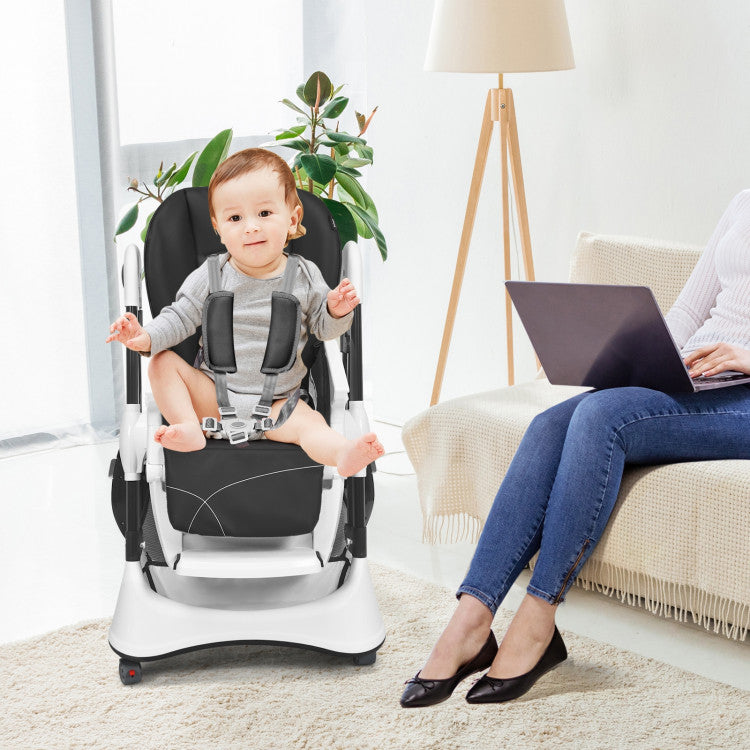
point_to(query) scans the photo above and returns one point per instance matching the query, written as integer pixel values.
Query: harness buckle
(227, 411)
(211, 424)
(262, 410)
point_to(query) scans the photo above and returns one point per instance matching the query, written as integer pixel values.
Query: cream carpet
(62, 690)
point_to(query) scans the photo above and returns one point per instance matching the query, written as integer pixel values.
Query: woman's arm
(693, 305)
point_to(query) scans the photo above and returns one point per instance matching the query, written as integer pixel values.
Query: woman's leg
(606, 429)
(510, 537)
(633, 425)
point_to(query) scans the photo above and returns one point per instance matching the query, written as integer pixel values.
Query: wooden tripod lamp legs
(498, 108)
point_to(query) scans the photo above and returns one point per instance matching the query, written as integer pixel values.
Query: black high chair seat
(257, 489)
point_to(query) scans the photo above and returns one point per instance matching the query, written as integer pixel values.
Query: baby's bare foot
(358, 453)
(186, 436)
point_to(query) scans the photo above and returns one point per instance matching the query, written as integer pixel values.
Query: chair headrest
(180, 237)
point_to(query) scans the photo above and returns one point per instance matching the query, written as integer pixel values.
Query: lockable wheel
(363, 660)
(130, 672)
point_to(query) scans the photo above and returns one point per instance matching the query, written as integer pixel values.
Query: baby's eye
(235, 217)
(265, 212)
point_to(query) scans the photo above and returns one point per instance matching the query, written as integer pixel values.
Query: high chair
(247, 543)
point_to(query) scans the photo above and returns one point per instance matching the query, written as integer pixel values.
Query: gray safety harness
(280, 355)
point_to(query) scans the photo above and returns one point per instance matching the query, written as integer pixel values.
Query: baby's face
(254, 221)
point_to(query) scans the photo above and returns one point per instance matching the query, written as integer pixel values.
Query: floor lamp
(496, 36)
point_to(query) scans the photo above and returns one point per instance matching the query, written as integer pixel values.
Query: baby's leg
(309, 430)
(184, 396)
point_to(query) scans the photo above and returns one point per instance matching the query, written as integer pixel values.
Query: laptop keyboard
(722, 377)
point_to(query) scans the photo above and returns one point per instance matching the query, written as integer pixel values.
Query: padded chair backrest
(180, 237)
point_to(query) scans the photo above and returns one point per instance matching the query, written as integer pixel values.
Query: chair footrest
(248, 563)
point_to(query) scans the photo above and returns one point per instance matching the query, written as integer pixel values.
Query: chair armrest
(336, 370)
(131, 282)
(131, 277)
(351, 266)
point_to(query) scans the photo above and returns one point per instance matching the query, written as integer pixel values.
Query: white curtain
(44, 374)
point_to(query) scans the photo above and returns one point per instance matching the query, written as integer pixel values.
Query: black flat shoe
(423, 692)
(496, 690)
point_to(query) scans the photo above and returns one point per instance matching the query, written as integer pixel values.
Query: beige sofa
(678, 541)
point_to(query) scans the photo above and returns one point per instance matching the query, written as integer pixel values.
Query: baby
(255, 210)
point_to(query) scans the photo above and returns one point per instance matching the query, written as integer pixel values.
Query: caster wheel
(130, 672)
(363, 660)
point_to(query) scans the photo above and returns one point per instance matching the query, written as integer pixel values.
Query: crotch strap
(280, 356)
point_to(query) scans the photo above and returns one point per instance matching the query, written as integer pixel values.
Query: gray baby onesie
(252, 318)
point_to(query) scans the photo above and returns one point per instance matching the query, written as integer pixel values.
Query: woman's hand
(127, 330)
(343, 299)
(711, 360)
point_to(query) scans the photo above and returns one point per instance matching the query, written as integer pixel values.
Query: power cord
(393, 453)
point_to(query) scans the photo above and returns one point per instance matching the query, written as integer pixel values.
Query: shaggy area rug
(62, 690)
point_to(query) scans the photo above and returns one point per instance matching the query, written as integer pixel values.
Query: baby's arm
(329, 311)
(172, 325)
(128, 331)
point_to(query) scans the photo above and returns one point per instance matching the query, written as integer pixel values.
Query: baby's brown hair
(249, 160)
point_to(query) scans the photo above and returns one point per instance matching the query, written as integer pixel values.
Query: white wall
(647, 136)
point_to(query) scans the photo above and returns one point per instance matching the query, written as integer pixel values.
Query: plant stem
(312, 138)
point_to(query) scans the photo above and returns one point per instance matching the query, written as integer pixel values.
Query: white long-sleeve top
(714, 304)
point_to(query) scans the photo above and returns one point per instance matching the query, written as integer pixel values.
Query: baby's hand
(127, 330)
(343, 299)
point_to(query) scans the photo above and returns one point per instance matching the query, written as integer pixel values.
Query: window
(187, 69)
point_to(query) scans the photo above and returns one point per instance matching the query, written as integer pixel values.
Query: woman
(563, 482)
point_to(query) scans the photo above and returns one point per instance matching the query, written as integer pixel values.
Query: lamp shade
(499, 36)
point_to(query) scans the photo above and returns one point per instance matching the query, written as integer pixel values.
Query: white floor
(62, 556)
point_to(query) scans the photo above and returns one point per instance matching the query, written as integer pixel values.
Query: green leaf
(298, 144)
(344, 137)
(335, 107)
(336, 91)
(293, 106)
(351, 172)
(354, 163)
(181, 173)
(364, 151)
(362, 230)
(212, 155)
(165, 176)
(318, 166)
(292, 132)
(354, 189)
(372, 225)
(301, 93)
(310, 91)
(145, 229)
(128, 220)
(344, 221)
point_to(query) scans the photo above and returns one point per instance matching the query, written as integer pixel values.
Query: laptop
(605, 336)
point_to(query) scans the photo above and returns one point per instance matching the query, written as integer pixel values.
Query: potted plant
(353, 209)
(165, 183)
(323, 173)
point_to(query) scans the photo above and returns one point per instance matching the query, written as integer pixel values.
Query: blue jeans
(563, 482)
